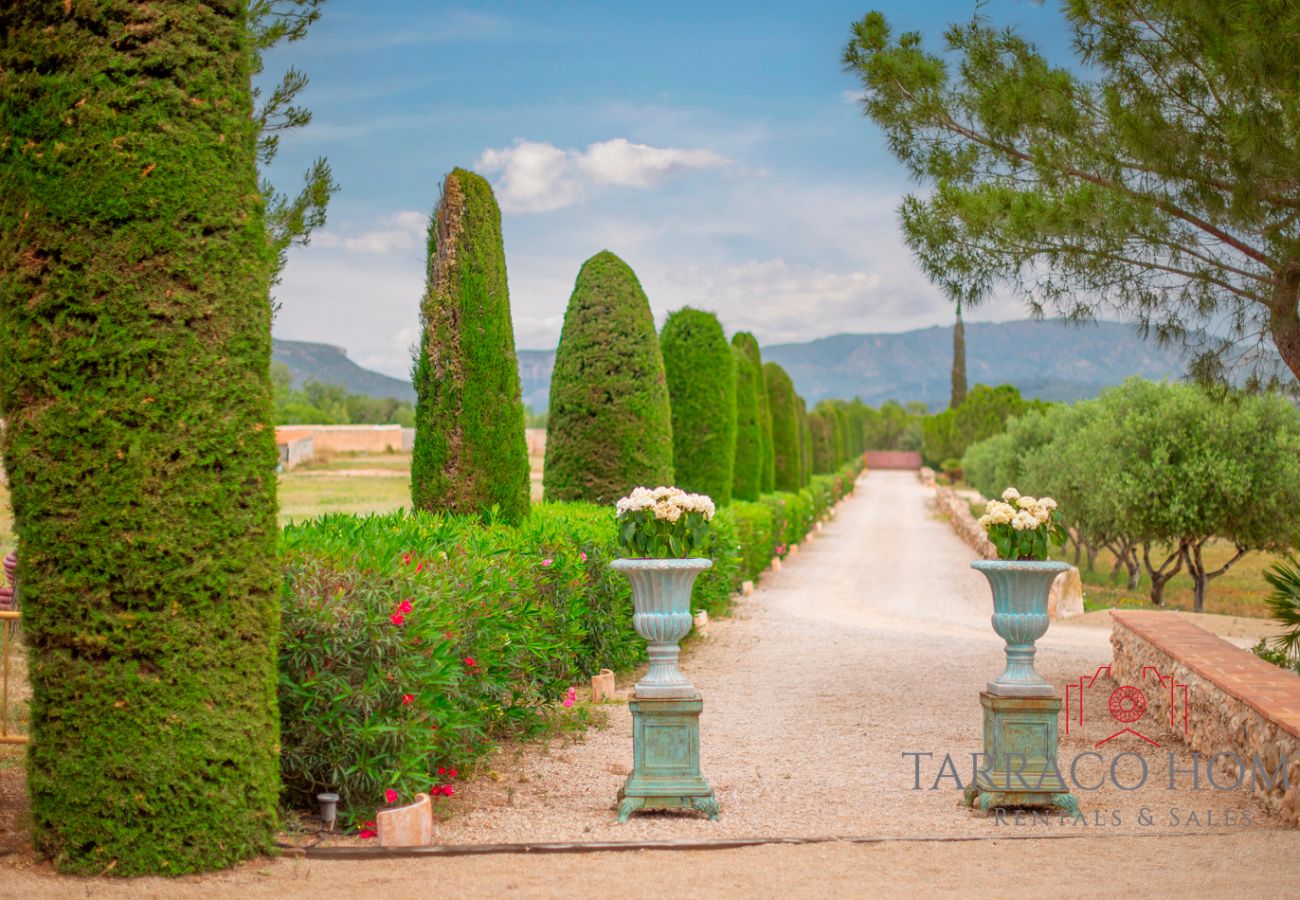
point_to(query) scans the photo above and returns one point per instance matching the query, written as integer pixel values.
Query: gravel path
(872, 642)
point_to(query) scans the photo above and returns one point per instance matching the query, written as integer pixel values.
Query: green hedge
(786, 437)
(754, 531)
(747, 476)
(702, 393)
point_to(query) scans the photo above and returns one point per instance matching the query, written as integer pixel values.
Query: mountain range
(1047, 359)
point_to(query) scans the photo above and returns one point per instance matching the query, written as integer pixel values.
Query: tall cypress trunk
(135, 330)
(958, 363)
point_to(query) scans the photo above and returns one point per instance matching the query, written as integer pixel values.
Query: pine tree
(609, 426)
(470, 453)
(702, 391)
(135, 328)
(747, 476)
(786, 439)
(767, 469)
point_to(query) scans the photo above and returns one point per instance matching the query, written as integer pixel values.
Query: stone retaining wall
(344, 438)
(1236, 702)
(296, 452)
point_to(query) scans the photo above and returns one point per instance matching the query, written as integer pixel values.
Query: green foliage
(983, 414)
(822, 430)
(958, 362)
(702, 392)
(135, 329)
(470, 454)
(767, 469)
(1284, 602)
(786, 438)
(1149, 466)
(497, 622)
(747, 474)
(330, 404)
(753, 523)
(893, 426)
(610, 427)
(805, 441)
(642, 534)
(1155, 174)
(1022, 543)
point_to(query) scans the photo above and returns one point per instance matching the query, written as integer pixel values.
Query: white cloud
(853, 97)
(403, 230)
(537, 177)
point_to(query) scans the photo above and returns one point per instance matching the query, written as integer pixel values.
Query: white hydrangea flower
(1026, 502)
(1024, 521)
(1010, 494)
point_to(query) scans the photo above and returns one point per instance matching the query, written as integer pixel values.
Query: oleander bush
(754, 533)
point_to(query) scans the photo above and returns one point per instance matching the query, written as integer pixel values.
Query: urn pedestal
(1020, 706)
(665, 706)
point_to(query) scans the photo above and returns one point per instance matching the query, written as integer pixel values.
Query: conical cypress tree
(135, 329)
(805, 442)
(609, 427)
(470, 453)
(702, 391)
(958, 362)
(767, 470)
(821, 426)
(785, 428)
(746, 478)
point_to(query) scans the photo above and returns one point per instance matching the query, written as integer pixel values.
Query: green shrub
(767, 473)
(136, 337)
(805, 441)
(747, 477)
(715, 586)
(702, 391)
(470, 454)
(822, 429)
(786, 437)
(609, 426)
(754, 534)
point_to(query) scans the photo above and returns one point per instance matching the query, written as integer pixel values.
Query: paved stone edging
(1236, 702)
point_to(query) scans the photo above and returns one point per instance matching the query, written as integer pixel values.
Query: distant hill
(330, 365)
(1048, 360)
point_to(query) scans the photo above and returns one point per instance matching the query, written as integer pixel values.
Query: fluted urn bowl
(1020, 592)
(661, 598)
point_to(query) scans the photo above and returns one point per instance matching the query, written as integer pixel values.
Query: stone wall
(296, 452)
(536, 438)
(1236, 702)
(893, 459)
(344, 438)
(1066, 597)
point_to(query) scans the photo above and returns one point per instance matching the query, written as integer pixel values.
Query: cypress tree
(785, 428)
(958, 362)
(747, 477)
(609, 427)
(470, 453)
(767, 470)
(805, 442)
(702, 391)
(135, 328)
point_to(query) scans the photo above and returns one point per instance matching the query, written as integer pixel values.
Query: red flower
(451, 773)
(419, 566)
(369, 825)
(406, 558)
(441, 770)
(397, 618)
(448, 790)
(405, 606)
(390, 795)
(407, 699)
(469, 661)
(367, 834)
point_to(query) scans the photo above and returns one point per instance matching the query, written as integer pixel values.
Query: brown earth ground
(872, 643)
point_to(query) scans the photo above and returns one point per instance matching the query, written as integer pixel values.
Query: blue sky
(717, 147)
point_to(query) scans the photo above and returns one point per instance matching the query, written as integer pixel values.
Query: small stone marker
(794, 549)
(776, 564)
(819, 524)
(406, 826)
(602, 686)
(746, 588)
(702, 622)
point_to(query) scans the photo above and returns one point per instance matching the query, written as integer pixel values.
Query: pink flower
(451, 773)
(418, 567)
(397, 618)
(366, 834)
(583, 556)
(405, 606)
(390, 795)
(406, 558)
(570, 698)
(546, 563)
(407, 699)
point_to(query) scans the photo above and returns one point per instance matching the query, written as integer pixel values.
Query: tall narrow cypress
(609, 426)
(785, 428)
(958, 362)
(746, 479)
(470, 454)
(767, 471)
(135, 328)
(702, 392)
(805, 442)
